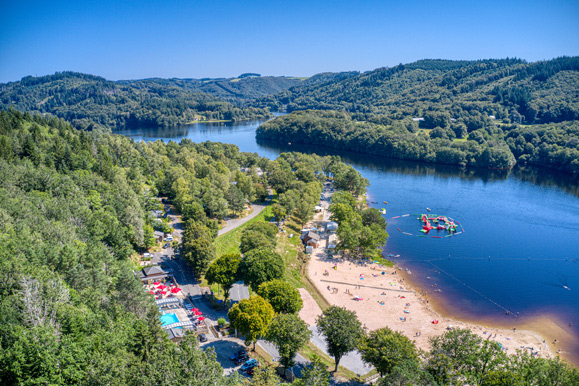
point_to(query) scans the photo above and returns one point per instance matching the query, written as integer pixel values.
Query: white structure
(332, 226)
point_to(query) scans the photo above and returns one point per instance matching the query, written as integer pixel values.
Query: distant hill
(236, 90)
(509, 89)
(86, 100)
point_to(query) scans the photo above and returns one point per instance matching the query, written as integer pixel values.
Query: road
(257, 209)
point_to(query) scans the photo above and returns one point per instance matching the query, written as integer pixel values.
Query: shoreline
(544, 326)
(387, 298)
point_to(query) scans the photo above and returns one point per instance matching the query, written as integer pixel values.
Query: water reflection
(533, 175)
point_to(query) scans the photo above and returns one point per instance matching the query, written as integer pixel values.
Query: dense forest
(236, 90)
(88, 100)
(74, 211)
(493, 145)
(511, 90)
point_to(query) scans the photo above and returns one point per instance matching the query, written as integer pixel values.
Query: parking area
(224, 348)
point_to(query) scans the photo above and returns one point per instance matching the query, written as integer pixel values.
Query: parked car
(237, 355)
(250, 364)
(147, 254)
(250, 371)
(241, 359)
(167, 245)
(202, 338)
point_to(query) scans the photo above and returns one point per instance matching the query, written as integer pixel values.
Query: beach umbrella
(195, 309)
(156, 283)
(175, 290)
(198, 313)
(163, 292)
(162, 287)
(201, 318)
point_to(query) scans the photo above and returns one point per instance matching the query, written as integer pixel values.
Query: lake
(519, 251)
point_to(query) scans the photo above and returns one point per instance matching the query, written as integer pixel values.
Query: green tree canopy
(251, 317)
(282, 296)
(259, 266)
(342, 331)
(385, 349)
(223, 271)
(288, 333)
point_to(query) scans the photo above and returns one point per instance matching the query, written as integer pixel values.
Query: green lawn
(229, 242)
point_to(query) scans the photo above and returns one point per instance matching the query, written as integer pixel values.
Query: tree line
(401, 140)
(88, 101)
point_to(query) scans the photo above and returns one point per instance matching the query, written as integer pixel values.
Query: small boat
(385, 202)
(428, 209)
(383, 211)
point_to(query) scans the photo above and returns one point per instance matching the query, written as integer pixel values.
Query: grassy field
(229, 242)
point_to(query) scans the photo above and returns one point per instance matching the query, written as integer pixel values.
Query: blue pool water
(168, 319)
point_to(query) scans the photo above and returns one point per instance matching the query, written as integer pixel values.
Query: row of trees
(341, 131)
(457, 357)
(361, 231)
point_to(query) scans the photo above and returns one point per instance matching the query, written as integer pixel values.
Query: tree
(315, 374)
(342, 331)
(408, 373)
(265, 376)
(282, 296)
(223, 271)
(235, 199)
(288, 333)
(251, 317)
(304, 210)
(278, 211)
(198, 249)
(385, 349)
(255, 240)
(259, 266)
(459, 353)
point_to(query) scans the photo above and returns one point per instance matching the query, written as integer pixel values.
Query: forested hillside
(236, 90)
(510, 89)
(86, 100)
(74, 208)
(491, 146)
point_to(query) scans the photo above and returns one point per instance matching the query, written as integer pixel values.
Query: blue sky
(128, 39)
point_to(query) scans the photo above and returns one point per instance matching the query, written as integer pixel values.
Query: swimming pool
(168, 319)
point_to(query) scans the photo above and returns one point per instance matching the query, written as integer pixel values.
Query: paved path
(257, 209)
(352, 361)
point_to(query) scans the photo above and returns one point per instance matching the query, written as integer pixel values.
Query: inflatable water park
(443, 225)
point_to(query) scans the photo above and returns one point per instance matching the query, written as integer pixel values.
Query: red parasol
(202, 318)
(156, 283)
(195, 309)
(175, 290)
(162, 287)
(198, 313)
(163, 292)
(151, 292)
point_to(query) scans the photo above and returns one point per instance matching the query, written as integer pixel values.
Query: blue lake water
(519, 251)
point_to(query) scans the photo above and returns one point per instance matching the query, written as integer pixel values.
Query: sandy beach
(381, 298)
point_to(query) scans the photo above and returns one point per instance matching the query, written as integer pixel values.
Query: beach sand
(385, 299)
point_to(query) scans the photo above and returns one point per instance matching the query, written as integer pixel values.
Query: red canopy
(195, 309)
(164, 292)
(162, 287)
(175, 290)
(202, 318)
(198, 313)
(156, 283)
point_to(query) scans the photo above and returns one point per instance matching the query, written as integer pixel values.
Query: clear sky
(133, 39)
